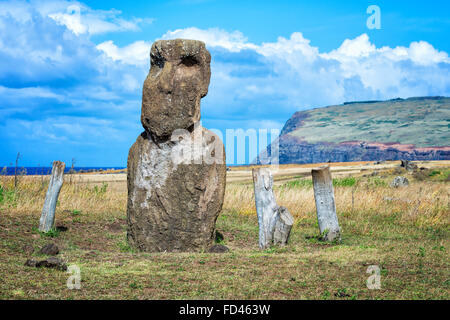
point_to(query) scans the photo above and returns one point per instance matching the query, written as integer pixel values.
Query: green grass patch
(307, 183)
(7, 196)
(344, 182)
(52, 233)
(300, 183)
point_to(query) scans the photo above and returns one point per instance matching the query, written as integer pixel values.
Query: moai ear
(206, 73)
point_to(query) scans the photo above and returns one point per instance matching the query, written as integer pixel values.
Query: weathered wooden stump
(274, 222)
(283, 227)
(54, 187)
(325, 205)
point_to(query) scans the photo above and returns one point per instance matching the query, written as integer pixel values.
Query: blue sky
(71, 73)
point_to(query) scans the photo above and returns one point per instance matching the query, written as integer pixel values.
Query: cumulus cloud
(301, 76)
(81, 19)
(75, 16)
(137, 53)
(58, 88)
(215, 37)
(60, 92)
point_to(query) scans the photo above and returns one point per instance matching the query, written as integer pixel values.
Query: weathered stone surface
(399, 181)
(31, 263)
(178, 78)
(50, 249)
(176, 168)
(174, 206)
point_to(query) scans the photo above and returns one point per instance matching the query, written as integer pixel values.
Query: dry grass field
(405, 231)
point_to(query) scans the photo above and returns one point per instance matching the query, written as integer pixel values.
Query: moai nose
(166, 78)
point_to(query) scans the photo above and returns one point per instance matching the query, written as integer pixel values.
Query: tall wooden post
(274, 222)
(325, 205)
(54, 187)
(15, 171)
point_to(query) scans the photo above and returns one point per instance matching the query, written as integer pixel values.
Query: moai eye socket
(189, 61)
(158, 61)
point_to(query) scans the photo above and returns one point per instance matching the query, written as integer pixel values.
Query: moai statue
(176, 168)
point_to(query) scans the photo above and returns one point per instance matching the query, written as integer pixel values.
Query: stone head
(178, 78)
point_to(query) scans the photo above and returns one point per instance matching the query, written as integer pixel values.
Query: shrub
(344, 182)
(102, 189)
(300, 183)
(376, 182)
(434, 173)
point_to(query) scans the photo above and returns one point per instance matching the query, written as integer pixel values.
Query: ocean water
(9, 171)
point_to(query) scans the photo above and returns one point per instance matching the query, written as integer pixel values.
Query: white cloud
(57, 85)
(29, 92)
(81, 19)
(423, 53)
(355, 48)
(306, 77)
(299, 74)
(215, 37)
(76, 16)
(136, 53)
(290, 49)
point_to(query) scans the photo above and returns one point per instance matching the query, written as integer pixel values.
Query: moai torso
(176, 168)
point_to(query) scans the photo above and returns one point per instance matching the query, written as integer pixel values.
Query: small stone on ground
(50, 249)
(219, 248)
(53, 263)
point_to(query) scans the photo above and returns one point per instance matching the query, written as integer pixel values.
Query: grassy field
(404, 231)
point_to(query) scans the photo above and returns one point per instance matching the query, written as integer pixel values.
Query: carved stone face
(178, 78)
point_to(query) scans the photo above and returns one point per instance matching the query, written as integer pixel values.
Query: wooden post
(51, 198)
(325, 205)
(15, 171)
(274, 222)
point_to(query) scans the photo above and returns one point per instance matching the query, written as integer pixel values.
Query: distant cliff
(410, 129)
